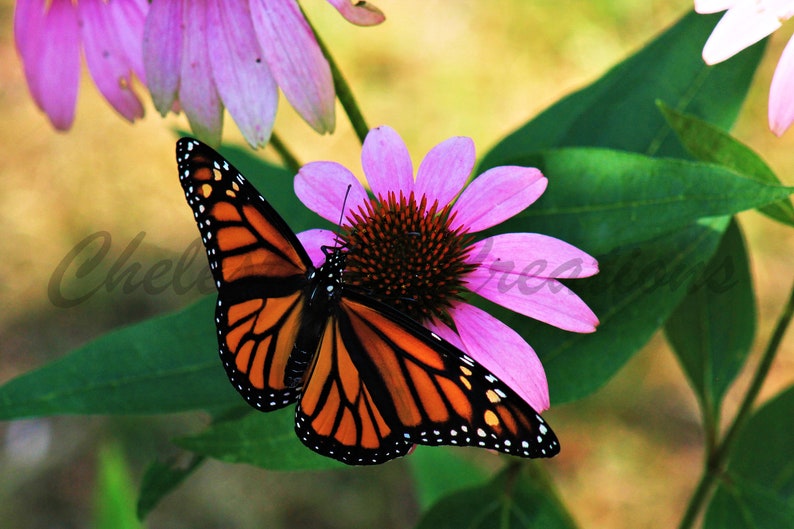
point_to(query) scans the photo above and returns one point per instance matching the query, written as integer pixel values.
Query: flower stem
(344, 93)
(716, 461)
(284, 153)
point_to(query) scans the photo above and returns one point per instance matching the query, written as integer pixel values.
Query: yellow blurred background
(434, 69)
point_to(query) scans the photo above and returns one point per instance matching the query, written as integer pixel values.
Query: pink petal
(49, 43)
(503, 352)
(197, 93)
(296, 61)
(129, 19)
(387, 163)
(359, 12)
(162, 52)
(713, 6)
(313, 242)
(743, 25)
(106, 59)
(497, 195)
(531, 255)
(781, 92)
(29, 21)
(241, 76)
(445, 169)
(322, 186)
(446, 333)
(541, 298)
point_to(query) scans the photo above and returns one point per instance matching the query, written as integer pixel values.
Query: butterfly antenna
(342, 216)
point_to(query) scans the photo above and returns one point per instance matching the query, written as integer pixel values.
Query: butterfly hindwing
(257, 347)
(260, 270)
(338, 415)
(381, 383)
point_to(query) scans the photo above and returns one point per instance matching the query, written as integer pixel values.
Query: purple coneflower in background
(745, 23)
(412, 247)
(194, 55)
(49, 35)
(207, 54)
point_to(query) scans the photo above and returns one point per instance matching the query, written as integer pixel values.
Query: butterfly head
(326, 282)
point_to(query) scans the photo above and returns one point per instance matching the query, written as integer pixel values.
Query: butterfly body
(369, 381)
(322, 295)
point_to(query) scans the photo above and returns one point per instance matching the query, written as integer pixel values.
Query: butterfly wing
(260, 269)
(381, 382)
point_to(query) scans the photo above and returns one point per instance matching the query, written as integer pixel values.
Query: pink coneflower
(49, 34)
(745, 23)
(413, 247)
(207, 54)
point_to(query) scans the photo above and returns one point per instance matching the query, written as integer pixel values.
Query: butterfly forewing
(244, 236)
(260, 269)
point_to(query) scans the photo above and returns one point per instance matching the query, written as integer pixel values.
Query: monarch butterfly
(369, 381)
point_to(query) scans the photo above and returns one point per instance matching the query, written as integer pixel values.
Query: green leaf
(266, 440)
(748, 506)
(713, 329)
(601, 199)
(160, 480)
(757, 491)
(114, 497)
(764, 450)
(438, 471)
(710, 144)
(163, 365)
(618, 110)
(510, 501)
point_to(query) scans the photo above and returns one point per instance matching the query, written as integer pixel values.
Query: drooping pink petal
(106, 59)
(48, 41)
(445, 169)
(361, 13)
(129, 20)
(503, 352)
(705, 7)
(197, 93)
(322, 186)
(241, 75)
(313, 242)
(541, 298)
(295, 60)
(162, 52)
(781, 92)
(531, 255)
(387, 163)
(496, 195)
(28, 21)
(29, 37)
(742, 26)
